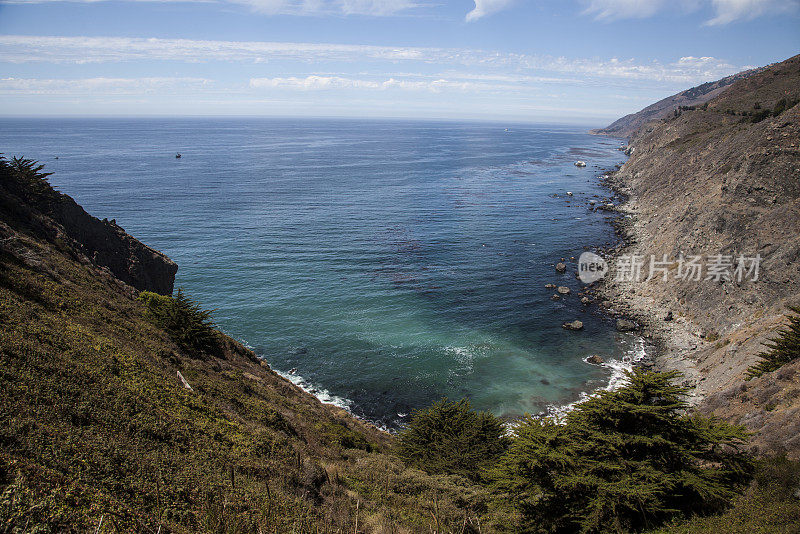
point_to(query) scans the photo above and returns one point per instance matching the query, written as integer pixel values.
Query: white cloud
(312, 83)
(623, 9)
(486, 7)
(270, 7)
(24, 49)
(376, 8)
(316, 82)
(728, 11)
(82, 50)
(99, 85)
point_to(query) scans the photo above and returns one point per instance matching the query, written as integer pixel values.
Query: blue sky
(584, 61)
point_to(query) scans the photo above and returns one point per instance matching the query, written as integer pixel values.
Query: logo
(591, 267)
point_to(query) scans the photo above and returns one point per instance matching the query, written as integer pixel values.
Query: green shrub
(782, 350)
(760, 115)
(183, 319)
(783, 104)
(770, 505)
(623, 461)
(451, 437)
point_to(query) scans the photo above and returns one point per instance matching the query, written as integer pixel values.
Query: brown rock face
(30, 205)
(721, 180)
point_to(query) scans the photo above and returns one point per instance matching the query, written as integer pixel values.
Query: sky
(571, 61)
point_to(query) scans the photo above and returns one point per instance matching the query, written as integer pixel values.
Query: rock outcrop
(30, 205)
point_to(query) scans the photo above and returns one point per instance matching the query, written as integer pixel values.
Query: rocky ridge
(695, 96)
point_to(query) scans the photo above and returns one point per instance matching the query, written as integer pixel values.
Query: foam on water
(618, 367)
(322, 394)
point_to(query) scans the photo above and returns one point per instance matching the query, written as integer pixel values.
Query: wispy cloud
(99, 85)
(726, 11)
(24, 49)
(315, 82)
(376, 8)
(607, 10)
(81, 50)
(487, 7)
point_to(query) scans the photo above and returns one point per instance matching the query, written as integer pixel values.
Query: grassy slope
(94, 423)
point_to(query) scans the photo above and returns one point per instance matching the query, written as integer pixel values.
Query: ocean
(381, 265)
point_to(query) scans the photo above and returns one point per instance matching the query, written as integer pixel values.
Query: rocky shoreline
(671, 338)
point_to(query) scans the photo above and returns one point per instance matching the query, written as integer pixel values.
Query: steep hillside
(695, 96)
(722, 179)
(57, 219)
(98, 432)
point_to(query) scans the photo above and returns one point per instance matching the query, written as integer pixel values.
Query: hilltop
(696, 96)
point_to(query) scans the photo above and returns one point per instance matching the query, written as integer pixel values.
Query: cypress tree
(623, 461)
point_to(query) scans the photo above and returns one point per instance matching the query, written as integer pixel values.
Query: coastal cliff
(721, 179)
(29, 205)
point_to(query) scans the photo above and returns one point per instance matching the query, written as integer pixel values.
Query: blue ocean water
(390, 263)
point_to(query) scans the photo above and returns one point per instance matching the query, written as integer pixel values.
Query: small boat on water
(178, 155)
(580, 164)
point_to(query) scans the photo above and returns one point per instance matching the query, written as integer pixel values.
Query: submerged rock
(574, 325)
(563, 290)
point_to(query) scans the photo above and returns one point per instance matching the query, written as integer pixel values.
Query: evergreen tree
(183, 319)
(782, 350)
(451, 437)
(623, 461)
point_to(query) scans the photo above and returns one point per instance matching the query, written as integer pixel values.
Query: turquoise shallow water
(390, 262)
